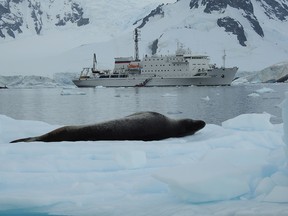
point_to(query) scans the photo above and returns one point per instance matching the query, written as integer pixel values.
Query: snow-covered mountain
(34, 16)
(30, 17)
(240, 18)
(253, 33)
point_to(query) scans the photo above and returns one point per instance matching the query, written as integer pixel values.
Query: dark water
(23, 212)
(212, 104)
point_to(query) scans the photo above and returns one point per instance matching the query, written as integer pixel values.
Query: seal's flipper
(28, 139)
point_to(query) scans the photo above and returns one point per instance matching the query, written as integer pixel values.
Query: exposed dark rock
(194, 4)
(220, 6)
(255, 24)
(234, 27)
(76, 16)
(154, 46)
(10, 33)
(275, 9)
(282, 79)
(11, 21)
(1, 34)
(3, 10)
(214, 5)
(36, 15)
(83, 21)
(155, 12)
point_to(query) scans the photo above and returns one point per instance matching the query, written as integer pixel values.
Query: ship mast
(136, 40)
(224, 58)
(94, 63)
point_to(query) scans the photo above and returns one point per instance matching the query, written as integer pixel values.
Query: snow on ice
(71, 91)
(254, 95)
(238, 168)
(284, 106)
(264, 90)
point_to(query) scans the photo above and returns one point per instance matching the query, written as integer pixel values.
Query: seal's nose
(200, 124)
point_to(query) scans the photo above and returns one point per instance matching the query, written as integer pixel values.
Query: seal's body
(146, 126)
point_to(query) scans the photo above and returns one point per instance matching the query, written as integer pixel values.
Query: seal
(146, 126)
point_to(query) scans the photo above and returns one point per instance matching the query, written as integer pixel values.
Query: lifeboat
(134, 66)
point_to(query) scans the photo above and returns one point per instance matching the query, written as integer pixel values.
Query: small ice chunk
(279, 194)
(72, 92)
(265, 90)
(265, 186)
(253, 95)
(280, 178)
(249, 122)
(169, 95)
(206, 98)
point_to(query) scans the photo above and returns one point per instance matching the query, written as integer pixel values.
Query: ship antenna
(136, 40)
(224, 58)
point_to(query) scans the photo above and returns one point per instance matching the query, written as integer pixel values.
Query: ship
(180, 69)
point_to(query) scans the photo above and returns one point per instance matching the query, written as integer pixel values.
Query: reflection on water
(212, 104)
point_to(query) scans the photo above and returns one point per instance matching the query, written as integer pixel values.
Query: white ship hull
(218, 76)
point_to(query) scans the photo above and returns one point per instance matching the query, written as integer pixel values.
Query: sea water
(89, 105)
(104, 177)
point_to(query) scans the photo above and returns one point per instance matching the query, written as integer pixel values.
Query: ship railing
(84, 73)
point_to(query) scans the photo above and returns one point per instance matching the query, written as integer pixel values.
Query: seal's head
(190, 126)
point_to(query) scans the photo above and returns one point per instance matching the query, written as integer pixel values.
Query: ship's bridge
(196, 57)
(121, 64)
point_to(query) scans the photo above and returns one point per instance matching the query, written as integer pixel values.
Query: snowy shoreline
(237, 168)
(272, 74)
